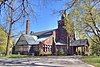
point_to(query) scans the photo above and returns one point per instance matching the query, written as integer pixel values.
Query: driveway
(51, 61)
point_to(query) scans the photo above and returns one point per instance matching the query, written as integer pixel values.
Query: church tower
(63, 36)
(62, 33)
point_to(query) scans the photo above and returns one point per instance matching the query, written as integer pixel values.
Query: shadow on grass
(22, 62)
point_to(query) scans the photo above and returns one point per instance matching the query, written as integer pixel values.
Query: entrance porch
(80, 47)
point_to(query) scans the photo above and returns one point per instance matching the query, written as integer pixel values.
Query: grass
(93, 60)
(16, 56)
(20, 56)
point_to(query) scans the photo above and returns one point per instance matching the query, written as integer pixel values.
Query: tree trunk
(8, 40)
(9, 34)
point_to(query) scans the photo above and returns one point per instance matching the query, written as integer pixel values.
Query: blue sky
(45, 19)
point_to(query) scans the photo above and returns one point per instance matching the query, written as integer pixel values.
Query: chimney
(28, 27)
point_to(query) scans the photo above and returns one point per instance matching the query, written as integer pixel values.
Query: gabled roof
(31, 39)
(80, 43)
(35, 38)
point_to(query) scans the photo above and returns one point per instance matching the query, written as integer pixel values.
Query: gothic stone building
(43, 41)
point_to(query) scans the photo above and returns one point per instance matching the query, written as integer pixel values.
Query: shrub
(95, 49)
(39, 51)
(60, 51)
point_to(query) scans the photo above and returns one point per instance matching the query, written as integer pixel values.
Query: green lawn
(17, 56)
(93, 60)
(20, 56)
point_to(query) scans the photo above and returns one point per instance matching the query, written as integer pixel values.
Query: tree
(53, 47)
(95, 49)
(3, 41)
(69, 27)
(16, 10)
(85, 15)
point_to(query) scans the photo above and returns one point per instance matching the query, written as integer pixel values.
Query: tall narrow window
(43, 49)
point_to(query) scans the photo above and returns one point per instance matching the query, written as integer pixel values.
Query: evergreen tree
(53, 47)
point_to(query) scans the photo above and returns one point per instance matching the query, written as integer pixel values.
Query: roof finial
(64, 14)
(62, 17)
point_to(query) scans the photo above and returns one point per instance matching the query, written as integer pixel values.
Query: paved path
(53, 61)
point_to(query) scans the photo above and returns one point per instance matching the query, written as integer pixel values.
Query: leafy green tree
(3, 40)
(69, 26)
(85, 15)
(95, 49)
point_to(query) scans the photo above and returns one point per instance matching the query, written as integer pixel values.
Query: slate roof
(59, 43)
(42, 39)
(31, 39)
(44, 33)
(80, 43)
